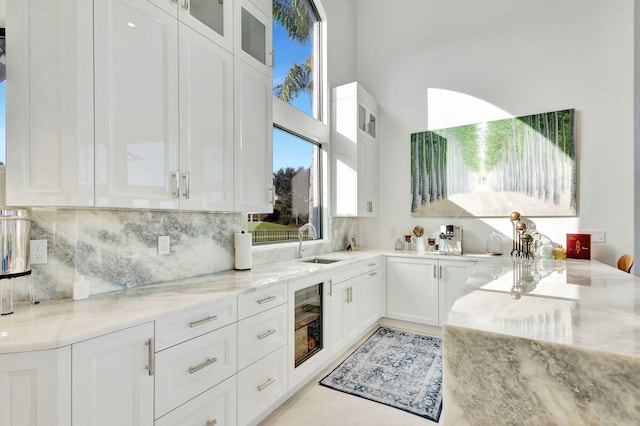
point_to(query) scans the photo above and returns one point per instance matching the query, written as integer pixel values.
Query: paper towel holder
(242, 247)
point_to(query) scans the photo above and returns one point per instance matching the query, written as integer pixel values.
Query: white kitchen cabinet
(353, 305)
(253, 174)
(35, 388)
(452, 275)
(260, 385)
(422, 290)
(253, 35)
(50, 103)
(217, 406)
(211, 18)
(412, 290)
(354, 151)
(112, 378)
(188, 369)
(261, 334)
(136, 105)
(206, 123)
(164, 112)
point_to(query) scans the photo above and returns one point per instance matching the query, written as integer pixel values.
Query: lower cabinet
(35, 388)
(217, 406)
(423, 290)
(261, 384)
(112, 378)
(353, 306)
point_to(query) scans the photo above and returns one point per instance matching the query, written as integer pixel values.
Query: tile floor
(316, 405)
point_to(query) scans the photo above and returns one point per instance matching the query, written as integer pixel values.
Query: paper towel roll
(242, 245)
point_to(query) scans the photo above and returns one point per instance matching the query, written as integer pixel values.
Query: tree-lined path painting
(525, 164)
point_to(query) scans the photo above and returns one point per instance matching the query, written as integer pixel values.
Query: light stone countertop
(57, 323)
(580, 303)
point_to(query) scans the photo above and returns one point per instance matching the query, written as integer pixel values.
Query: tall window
(296, 44)
(3, 98)
(297, 168)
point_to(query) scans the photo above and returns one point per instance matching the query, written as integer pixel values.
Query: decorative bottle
(559, 252)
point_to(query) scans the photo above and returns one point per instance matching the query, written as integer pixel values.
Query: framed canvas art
(490, 169)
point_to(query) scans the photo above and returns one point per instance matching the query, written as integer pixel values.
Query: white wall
(521, 57)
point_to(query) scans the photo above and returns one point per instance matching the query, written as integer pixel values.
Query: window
(298, 132)
(296, 38)
(3, 97)
(296, 180)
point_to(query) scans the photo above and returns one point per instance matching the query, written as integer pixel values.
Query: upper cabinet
(49, 111)
(354, 151)
(211, 18)
(253, 34)
(136, 105)
(131, 103)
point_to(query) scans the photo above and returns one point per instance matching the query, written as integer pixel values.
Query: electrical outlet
(38, 252)
(164, 244)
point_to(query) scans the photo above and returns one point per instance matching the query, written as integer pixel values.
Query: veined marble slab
(544, 342)
(56, 323)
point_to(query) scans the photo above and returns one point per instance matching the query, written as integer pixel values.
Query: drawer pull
(203, 321)
(266, 299)
(371, 274)
(266, 384)
(266, 334)
(199, 367)
(372, 264)
(150, 352)
(211, 423)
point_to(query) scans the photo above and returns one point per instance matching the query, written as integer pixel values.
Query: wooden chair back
(625, 262)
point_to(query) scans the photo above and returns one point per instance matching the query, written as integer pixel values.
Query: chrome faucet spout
(312, 230)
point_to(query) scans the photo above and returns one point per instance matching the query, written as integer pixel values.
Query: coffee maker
(450, 240)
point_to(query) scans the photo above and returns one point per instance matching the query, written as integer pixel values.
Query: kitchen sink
(320, 260)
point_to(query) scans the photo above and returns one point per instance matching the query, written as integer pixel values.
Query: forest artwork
(525, 164)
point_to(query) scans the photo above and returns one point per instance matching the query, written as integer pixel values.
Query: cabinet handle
(199, 367)
(434, 272)
(266, 334)
(350, 293)
(185, 4)
(266, 384)
(176, 175)
(440, 267)
(372, 264)
(371, 274)
(211, 423)
(273, 58)
(203, 321)
(150, 350)
(266, 299)
(272, 197)
(187, 190)
(330, 288)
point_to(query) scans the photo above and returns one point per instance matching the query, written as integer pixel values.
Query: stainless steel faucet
(302, 228)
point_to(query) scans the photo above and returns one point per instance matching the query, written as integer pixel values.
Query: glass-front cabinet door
(253, 36)
(211, 18)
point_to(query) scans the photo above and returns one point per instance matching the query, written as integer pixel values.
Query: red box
(579, 246)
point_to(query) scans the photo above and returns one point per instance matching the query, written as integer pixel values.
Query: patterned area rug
(396, 368)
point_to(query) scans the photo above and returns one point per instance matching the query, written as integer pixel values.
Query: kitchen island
(543, 342)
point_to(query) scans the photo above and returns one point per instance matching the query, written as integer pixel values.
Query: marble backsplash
(117, 249)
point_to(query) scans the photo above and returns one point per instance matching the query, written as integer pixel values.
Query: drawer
(190, 368)
(261, 334)
(215, 406)
(195, 322)
(261, 300)
(261, 385)
(371, 264)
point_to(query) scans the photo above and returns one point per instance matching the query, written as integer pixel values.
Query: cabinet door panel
(206, 123)
(253, 35)
(369, 298)
(253, 140)
(211, 18)
(111, 384)
(136, 104)
(453, 277)
(35, 388)
(50, 103)
(412, 290)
